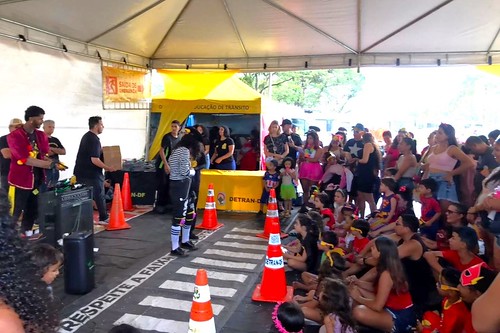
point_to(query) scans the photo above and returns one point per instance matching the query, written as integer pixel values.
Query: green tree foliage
(312, 89)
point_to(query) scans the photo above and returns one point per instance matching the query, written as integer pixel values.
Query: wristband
(364, 261)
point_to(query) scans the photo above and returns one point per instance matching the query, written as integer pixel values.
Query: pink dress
(310, 170)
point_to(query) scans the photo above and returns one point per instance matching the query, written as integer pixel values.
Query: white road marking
(214, 275)
(189, 287)
(148, 323)
(223, 263)
(248, 231)
(242, 246)
(231, 254)
(174, 304)
(247, 238)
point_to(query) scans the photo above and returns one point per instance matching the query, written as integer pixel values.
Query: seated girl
(335, 305)
(382, 296)
(322, 204)
(303, 255)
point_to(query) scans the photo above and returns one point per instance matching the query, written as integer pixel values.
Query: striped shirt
(179, 162)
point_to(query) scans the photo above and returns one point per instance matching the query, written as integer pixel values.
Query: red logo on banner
(111, 85)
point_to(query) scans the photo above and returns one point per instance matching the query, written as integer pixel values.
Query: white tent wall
(69, 89)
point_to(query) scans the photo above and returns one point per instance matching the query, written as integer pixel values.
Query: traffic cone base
(215, 227)
(258, 297)
(126, 195)
(117, 217)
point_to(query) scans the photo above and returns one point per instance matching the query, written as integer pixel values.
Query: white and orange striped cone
(201, 319)
(271, 216)
(210, 214)
(273, 286)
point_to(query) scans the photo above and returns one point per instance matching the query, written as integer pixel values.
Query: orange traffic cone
(273, 287)
(202, 316)
(117, 218)
(271, 216)
(126, 196)
(210, 213)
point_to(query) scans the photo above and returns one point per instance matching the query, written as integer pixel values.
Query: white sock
(185, 233)
(174, 235)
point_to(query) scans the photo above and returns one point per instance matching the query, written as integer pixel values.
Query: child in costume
(321, 203)
(359, 230)
(387, 211)
(288, 181)
(271, 180)
(431, 210)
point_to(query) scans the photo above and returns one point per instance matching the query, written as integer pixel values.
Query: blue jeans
(226, 166)
(97, 193)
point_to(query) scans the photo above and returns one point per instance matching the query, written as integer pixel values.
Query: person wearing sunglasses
(455, 316)
(455, 217)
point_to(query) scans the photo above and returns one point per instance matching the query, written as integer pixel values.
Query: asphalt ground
(139, 283)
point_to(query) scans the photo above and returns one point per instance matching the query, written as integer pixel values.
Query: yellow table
(234, 190)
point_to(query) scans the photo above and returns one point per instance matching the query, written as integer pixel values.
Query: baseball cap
(15, 122)
(359, 127)
(286, 122)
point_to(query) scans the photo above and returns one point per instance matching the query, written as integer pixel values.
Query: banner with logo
(123, 85)
(238, 191)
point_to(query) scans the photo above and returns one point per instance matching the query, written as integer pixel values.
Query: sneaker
(178, 252)
(104, 222)
(189, 246)
(193, 237)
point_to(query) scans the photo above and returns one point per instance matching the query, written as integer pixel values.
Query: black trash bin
(79, 271)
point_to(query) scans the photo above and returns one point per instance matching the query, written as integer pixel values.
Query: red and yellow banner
(122, 85)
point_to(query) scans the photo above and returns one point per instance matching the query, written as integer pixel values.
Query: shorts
(404, 320)
(445, 191)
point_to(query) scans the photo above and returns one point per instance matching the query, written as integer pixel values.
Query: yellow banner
(122, 85)
(234, 190)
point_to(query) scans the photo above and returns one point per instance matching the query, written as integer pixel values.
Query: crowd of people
(400, 270)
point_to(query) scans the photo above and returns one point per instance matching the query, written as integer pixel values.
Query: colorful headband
(277, 322)
(357, 229)
(335, 250)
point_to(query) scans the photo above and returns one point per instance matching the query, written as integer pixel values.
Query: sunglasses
(357, 229)
(452, 212)
(444, 287)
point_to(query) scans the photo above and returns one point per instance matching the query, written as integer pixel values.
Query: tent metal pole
(235, 27)
(493, 41)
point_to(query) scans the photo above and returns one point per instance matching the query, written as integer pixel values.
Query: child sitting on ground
(288, 181)
(303, 256)
(271, 181)
(359, 230)
(310, 303)
(335, 305)
(288, 318)
(48, 260)
(339, 200)
(327, 245)
(387, 211)
(349, 215)
(317, 218)
(322, 204)
(431, 210)
(455, 316)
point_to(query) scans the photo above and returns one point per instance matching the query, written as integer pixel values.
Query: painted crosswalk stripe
(175, 304)
(247, 238)
(241, 246)
(223, 263)
(214, 275)
(148, 323)
(232, 254)
(248, 231)
(189, 287)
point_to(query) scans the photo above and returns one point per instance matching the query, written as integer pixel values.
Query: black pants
(98, 194)
(182, 198)
(162, 198)
(24, 201)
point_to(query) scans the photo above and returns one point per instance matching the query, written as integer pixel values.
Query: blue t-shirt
(271, 180)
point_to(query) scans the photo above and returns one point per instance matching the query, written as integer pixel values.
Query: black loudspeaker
(79, 269)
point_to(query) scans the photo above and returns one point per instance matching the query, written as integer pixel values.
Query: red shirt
(455, 318)
(327, 213)
(452, 257)
(430, 207)
(21, 175)
(358, 244)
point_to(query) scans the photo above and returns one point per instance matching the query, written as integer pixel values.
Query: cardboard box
(112, 157)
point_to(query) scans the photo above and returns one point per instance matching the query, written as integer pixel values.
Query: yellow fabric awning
(187, 92)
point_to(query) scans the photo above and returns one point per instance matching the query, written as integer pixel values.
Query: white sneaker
(28, 233)
(104, 223)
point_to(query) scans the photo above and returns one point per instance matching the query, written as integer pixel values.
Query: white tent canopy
(255, 35)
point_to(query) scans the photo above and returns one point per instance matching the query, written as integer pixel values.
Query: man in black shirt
(286, 125)
(56, 149)
(168, 143)
(5, 154)
(486, 162)
(90, 163)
